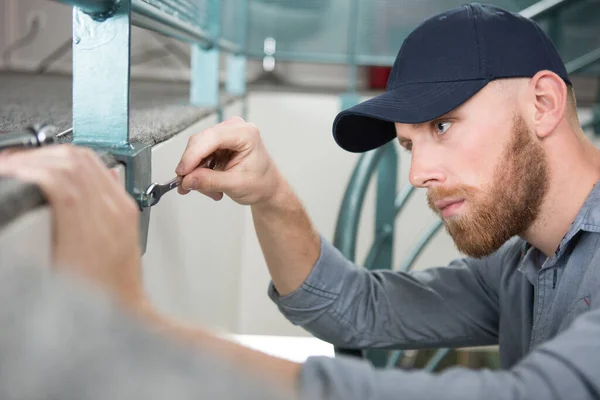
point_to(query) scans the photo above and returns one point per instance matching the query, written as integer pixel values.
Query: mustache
(439, 193)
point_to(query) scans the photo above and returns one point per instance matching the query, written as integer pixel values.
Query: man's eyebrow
(404, 142)
(448, 115)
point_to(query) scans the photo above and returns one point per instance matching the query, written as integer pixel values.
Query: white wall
(192, 262)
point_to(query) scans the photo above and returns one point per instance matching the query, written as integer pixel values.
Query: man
(482, 99)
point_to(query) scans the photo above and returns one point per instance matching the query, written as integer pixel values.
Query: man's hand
(249, 178)
(96, 236)
(288, 240)
(95, 222)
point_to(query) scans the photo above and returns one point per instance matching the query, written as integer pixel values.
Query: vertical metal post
(204, 90)
(385, 213)
(350, 98)
(101, 57)
(236, 63)
(101, 74)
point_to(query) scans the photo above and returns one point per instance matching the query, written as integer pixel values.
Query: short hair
(572, 102)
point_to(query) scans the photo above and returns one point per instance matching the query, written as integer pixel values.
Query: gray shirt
(543, 313)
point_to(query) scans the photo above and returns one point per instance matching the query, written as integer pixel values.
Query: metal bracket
(138, 175)
(137, 158)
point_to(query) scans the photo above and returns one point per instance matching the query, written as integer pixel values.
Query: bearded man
(482, 100)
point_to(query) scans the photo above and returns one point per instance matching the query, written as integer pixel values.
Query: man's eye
(442, 127)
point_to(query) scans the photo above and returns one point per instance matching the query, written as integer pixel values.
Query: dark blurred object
(32, 136)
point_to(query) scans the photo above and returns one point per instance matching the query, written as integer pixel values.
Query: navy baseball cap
(442, 63)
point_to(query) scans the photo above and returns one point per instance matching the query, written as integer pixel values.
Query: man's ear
(549, 94)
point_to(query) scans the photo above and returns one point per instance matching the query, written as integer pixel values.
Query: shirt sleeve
(351, 307)
(566, 367)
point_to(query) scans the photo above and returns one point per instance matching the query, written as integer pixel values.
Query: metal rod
(544, 7)
(146, 16)
(349, 216)
(394, 358)
(385, 210)
(583, 62)
(188, 11)
(379, 241)
(403, 197)
(324, 58)
(420, 246)
(433, 363)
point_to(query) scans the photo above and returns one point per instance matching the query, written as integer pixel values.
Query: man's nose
(425, 170)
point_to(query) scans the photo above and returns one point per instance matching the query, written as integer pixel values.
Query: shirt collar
(587, 219)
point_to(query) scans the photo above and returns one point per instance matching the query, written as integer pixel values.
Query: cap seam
(480, 43)
(423, 95)
(433, 99)
(446, 81)
(475, 55)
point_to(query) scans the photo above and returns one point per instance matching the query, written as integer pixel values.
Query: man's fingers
(58, 191)
(182, 191)
(208, 181)
(78, 167)
(115, 175)
(232, 136)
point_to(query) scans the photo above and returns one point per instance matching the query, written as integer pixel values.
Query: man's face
(485, 172)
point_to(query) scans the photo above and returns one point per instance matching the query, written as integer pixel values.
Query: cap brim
(370, 124)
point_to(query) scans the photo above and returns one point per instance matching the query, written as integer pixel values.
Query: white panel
(296, 349)
(192, 264)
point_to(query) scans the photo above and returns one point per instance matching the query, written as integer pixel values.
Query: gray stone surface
(159, 110)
